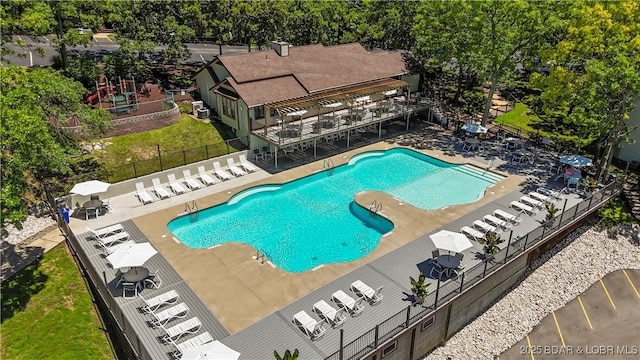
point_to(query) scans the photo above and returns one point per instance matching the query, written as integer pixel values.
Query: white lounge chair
(329, 314)
(514, 219)
(112, 239)
(108, 250)
(245, 164)
(366, 292)
(347, 303)
(204, 177)
(310, 326)
(191, 183)
(167, 298)
(496, 221)
(163, 317)
(174, 185)
(473, 233)
(194, 342)
(109, 230)
(158, 189)
(174, 333)
(483, 226)
(236, 171)
(142, 194)
(219, 172)
(516, 205)
(558, 195)
(531, 202)
(540, 197)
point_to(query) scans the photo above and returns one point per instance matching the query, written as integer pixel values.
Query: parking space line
(631, 282)
(530, 348)
(558, 327)
(202, 57)
(19, 38)
(607, 292)
(45, 38)
(585, 312)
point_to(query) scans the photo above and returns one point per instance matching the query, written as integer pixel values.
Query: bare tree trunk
(487, 107)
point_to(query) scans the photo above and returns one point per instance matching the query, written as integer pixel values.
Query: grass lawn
(518, 118)
(186, 141)
(47, 313)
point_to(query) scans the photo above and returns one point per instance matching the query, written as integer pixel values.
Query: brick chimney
(281, 47)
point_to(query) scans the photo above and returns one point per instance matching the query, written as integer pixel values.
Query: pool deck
(241, 292)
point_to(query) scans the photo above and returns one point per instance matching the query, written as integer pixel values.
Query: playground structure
(120, 97)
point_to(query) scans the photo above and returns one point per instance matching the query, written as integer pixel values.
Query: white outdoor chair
(204, 177)
(484, 227)
(158, 189)
(514, 219)
(496, 221)
(347, 303)
(531, 202)
(107, 241)
(142, 194)
(199, 340)
(154, 280)
(540, 197)
(473, 233)
(109, 230)
(174, 333)
(235, 170)
(329, 314)
(219, 172)
(246, 164)
(191, 183)
(516, 205)
(174, 185)
(310, 326)
(167, 298)
(366, 292)
(163, 317)
(111, 249)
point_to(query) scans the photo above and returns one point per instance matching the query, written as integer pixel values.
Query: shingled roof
(262, 77)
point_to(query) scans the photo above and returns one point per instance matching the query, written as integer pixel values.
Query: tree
(32, 147)
(595, 73)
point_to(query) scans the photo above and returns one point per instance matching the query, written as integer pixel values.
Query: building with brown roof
(256, 90)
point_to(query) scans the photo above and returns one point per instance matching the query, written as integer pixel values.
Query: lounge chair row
(498, 221)
(162, 315)
(327, 313)
(191, 182)
(109, 236)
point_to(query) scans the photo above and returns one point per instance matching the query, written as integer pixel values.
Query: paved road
(200, 53)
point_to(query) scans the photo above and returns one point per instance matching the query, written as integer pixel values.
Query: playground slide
(102, 92)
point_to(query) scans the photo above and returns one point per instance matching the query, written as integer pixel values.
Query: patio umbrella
(390, 92)
(89, 187)
(214, 350)
(450, 241)
(475, 128)
(333, 106)
(131, 255)
(575, 160)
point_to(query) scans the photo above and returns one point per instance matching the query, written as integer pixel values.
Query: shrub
(614, 212)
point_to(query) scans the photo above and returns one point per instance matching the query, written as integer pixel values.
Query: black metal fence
(445, 291)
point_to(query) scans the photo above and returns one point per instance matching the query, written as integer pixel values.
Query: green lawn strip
(518, 118)
(47, 313)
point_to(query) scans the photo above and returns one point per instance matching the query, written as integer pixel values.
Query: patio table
(95, 203)
(448, 261)
(136, 274)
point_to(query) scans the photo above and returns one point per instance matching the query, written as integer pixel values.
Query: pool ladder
(192, 210)
(375, 207)
(260, 257)
(328, 164)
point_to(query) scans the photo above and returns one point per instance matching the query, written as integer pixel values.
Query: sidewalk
(17, 257)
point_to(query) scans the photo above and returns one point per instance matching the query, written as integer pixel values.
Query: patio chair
(199, 340)
(575, 181)
(473, 233)
(111, 249)
(437, 268)
(204, 177)
(460, 256)
(531, 202)
(119, 278)
(435, 253)
(516, 205)
(154, 280)
(191, 183)
(174, 185)
(366, 292)
(142, 195)
(484, 227)
(219, 172)
(131, 287)
(174, 333)
(154, 303)
(558, 195)
(235, 170)
(266, 152)
(246, 164)
(502, 224)
(540, 197)
(310, 326)
(257, 155)
(158, 189)
(109, 230)
(514, 219)
(91, 211)
(163, 317)
(112, 239)
(347, 303)
(329, 314)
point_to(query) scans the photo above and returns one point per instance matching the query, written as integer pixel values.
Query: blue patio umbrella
(575, 160)
(475, 128)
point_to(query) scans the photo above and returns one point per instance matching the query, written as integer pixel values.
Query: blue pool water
(313, 220)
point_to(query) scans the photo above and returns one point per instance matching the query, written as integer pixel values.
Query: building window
(229, 107)
(427, 323)
(389, 349)
(258, 112)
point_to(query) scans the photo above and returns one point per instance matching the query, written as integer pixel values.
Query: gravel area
(31, 226)
(563, 273)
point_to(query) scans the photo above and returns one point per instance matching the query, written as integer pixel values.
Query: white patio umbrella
(333, 106)
(297, 113)
(131, 255)
(475, 128)
(89, 187)
(390, 92)
(362, 99)
(450, 241)
(214, 350)
(576, 160)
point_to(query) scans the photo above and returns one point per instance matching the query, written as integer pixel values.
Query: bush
(614, 212)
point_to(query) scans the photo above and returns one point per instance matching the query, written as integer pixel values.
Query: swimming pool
(312, 221)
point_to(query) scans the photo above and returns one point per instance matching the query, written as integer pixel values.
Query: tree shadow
(24, 281)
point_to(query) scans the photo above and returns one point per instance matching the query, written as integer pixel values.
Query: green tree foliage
(31, 102)
(595, 74)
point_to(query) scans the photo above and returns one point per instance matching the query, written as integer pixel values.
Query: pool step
(479, 173)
